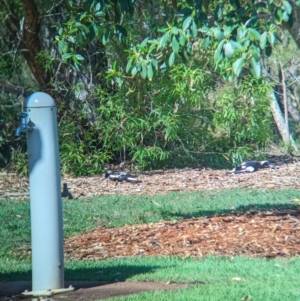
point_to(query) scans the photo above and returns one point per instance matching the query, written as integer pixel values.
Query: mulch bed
(285, 174)
(264, 234)
(267, 234)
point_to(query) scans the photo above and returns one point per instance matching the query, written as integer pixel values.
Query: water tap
(23, 124)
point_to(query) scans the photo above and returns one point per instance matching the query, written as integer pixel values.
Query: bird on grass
(121, 176)
(251, 166)
(66, 193)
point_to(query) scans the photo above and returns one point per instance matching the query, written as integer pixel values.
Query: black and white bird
(121, 176)
(251, 166)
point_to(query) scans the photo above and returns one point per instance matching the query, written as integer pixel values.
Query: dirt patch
(85, 290)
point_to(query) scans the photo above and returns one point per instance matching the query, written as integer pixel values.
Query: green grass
(117, 210)
(209, 278)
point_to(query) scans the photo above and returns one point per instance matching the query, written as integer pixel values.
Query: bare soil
(84, 290)
(274, 233)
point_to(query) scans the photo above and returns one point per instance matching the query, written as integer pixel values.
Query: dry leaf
(237, 279)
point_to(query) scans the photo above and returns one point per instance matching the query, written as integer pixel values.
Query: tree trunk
(280, 122)
(285, 101)
(27, 38)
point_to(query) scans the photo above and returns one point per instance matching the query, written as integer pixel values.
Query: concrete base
(49, 292)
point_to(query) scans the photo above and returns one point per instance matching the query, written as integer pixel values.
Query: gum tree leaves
(234, 32)
(228, 50)
(255, 67)
(172, 59)
(237, 66)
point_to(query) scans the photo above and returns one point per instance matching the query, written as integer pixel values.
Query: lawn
(210, 278)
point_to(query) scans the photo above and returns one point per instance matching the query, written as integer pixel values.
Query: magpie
(251, 166)
(121, 176)
(66, 193)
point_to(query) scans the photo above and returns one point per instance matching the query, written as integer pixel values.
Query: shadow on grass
(77, 272)
(278, 209)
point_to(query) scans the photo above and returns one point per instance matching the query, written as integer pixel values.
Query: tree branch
(27, 38)
(9, 88)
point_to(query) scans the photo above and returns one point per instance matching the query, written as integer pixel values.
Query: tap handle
(23, 114)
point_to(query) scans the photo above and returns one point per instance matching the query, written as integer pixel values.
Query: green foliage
(242, 118)
(167, 122)
(12, 150)
(80, 146)
(154, 106)
(234, 30)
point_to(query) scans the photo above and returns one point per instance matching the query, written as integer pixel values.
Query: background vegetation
(152, 83)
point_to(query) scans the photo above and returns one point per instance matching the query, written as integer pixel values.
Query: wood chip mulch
(285, 174)
(266, 234)
(262, 234)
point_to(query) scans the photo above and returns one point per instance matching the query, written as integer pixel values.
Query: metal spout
(23, 127)
(20, 129)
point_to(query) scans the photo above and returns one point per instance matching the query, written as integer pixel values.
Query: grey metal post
(38, 120)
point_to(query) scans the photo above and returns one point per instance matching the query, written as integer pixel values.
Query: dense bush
(166, 122)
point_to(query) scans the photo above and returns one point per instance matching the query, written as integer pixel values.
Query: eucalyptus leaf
(144, 71)
(172, 59)
(255, 51)
(79, 38)
(175, 44)
(271, 38)
(84, 27)
(154, 62)
(236, 45)
(285, 16)
(66, 56)
(163, 40)
(174, 30)
(194, 30)
(134, 71)
(129, 63)
(119, 81)
(61, 46)
(105, 38)
(228, 50)
(263, 40)
(150, 72)
(217, 54)
(186, 23)
(286, 5)
(182, 38)
(237, 66)
(152, 47)
(79, 57)
(255, 67)
(227, 31)
(253, 34)
(98, 6)
(241, 32)
(144, 43)
(278, 15)
(206, 41)
(218, 33)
